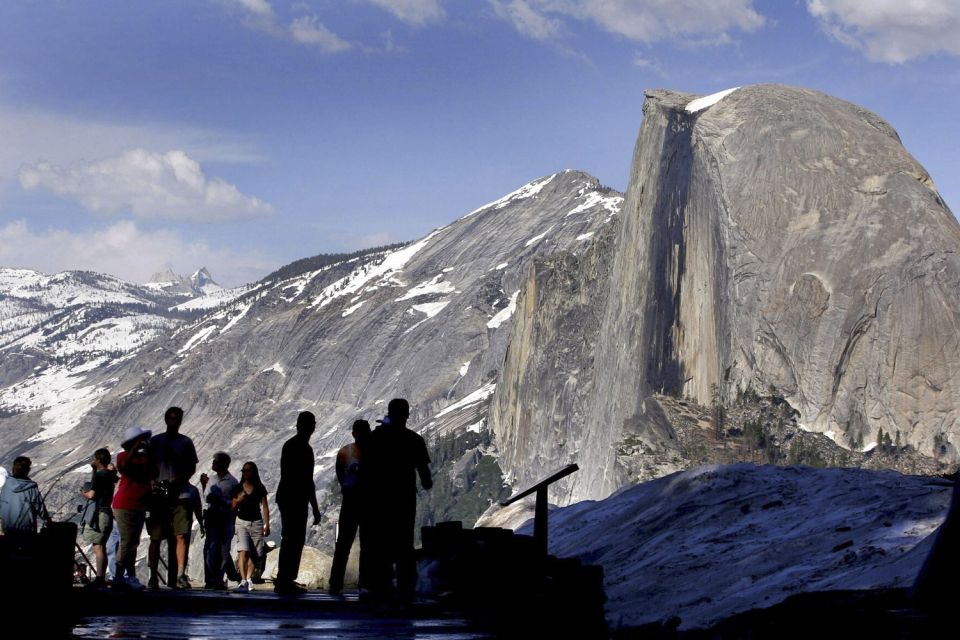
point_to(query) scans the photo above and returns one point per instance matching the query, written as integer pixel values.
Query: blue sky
(244, 134)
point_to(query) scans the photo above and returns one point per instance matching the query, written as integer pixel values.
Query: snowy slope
(60, 335)
(710, 542)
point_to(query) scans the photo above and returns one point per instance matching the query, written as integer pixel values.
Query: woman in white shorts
(253, 522)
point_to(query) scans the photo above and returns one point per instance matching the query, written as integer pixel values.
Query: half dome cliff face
(772, 238)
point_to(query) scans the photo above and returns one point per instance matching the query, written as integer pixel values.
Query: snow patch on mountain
(538, 237)
(213, 299)
(431, 308)
(504, 314)
(434, 285)
(526, 191)
(708, 101)
(479, 395)
(593, 199)
(198, 337)
(380, 273)
(59, 393)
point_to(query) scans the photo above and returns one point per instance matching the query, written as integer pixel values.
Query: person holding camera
(174, 461)
(130, 504)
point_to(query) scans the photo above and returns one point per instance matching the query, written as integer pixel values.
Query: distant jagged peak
(166, 276)
(203, 282)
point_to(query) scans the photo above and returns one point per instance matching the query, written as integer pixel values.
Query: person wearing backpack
(98, 522)
(348, 469)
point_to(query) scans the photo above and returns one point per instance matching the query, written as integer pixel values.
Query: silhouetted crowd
(150, 487)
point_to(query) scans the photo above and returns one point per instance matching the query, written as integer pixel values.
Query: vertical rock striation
(776, 237)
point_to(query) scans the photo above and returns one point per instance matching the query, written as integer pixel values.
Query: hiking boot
(98, 583)
(133, 584)
(183, 582)
(288, 589)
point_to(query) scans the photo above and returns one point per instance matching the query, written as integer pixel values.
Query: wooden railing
(540, 514)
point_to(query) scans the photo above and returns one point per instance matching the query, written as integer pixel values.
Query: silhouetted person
(349, 469)
(130, 503)
(295, 493)
(174, 460)
(220, 520)
(935, 587)
(100, 493)
(21, 505)
(394, 457)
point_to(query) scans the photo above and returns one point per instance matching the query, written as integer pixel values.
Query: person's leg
(404, 554)
(212, 562)
(113, 542)
(153, 559)
(293, 535)
(100, 561)
(182, 545)
(243, 560)
(346, 534)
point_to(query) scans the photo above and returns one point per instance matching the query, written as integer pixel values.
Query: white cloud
(150, 185)
(258, 7)
(893, 31)
(30, 136)
(309, 30)
(649, 21)
(526, 20)
(126, 251)
(415, 12)
(305, 30)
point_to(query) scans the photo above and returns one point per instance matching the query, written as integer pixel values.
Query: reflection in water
(220, 626)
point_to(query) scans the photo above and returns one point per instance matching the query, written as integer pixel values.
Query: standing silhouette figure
(295, 493)
(349, 469)
(396, 456)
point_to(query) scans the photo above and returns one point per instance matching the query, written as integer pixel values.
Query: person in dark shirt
(97, 531)
(396, 456)
(174, 460)
(253, 522)
(295, 493)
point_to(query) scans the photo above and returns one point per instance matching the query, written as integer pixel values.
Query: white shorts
(249, 535)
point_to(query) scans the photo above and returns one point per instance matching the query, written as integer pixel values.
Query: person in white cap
(130, 503)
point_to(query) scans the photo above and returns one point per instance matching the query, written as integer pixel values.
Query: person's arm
(190, 467)
(38, 506)
(314, 505)
(238, 498)
(426, 480)
(341, 465)
(123, 461)
(423, 466)
(265, 511)
(198, 513)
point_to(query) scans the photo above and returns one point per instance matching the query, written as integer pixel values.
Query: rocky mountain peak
(773, 238)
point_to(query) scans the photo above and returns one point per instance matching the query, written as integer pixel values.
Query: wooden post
(541, 512)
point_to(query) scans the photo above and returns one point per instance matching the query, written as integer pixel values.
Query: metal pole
(540, 520)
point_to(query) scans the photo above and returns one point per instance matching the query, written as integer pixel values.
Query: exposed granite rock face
(779, 237)
(428, 321)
